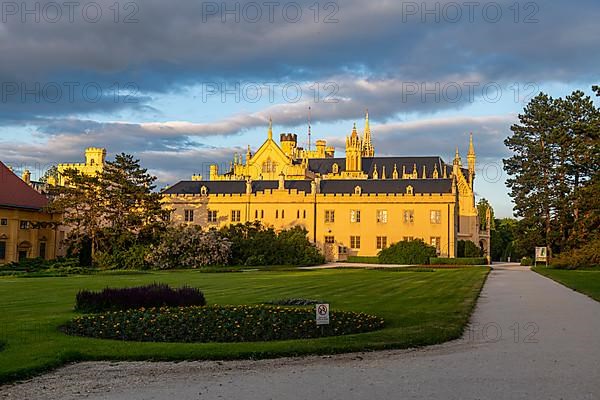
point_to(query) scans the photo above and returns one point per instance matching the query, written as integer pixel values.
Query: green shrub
(132, 257)
(218, 324)
(585, 257)
(467, 248)
(252, 244)
(38, 265)
(526, 261)
(154, 295)
(458, 261)
(407, 252)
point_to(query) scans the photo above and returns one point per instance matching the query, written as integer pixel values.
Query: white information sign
(540, 254)
(322, 313)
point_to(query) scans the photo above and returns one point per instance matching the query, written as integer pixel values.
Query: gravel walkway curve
(530, 338)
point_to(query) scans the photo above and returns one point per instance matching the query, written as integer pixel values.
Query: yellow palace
(352, 205)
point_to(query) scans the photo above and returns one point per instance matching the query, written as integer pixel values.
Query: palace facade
(352, 205)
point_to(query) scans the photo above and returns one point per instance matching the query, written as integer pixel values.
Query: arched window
(335, 168)
(409, 189)
(269, 166)
(358, 190)
(203, 190)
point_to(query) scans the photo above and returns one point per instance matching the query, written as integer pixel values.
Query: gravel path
(530, 338)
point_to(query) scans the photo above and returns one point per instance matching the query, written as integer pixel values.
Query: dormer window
(203, 191)
(358, 190)
(409, 189)
(335, 168)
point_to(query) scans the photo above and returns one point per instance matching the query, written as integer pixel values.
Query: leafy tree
(482, 208)
(502, 241)
(467, 248)
(51, 172)
(80, 202)
(553, 169)
(117, 211)
(130, 204)
(531, 165)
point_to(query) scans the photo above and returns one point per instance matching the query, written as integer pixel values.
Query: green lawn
(420, 308)
(586, 281)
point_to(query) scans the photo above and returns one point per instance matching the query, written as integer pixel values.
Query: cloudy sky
(183, 84)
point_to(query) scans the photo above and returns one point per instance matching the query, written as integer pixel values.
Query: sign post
(322, 315)
(541, 255)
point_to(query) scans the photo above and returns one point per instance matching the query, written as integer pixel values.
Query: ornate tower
(353, 152)
(95, 156)
(367, 147)
(471, 161)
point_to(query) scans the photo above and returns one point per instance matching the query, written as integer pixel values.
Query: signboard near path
(541, 255)
(322, 314)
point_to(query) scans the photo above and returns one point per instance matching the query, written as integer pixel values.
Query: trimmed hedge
(363, 259)
(295, 302)
(154, 295)
(458, 261)
(218, 324)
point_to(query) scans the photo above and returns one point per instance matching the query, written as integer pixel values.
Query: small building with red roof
(27, 229)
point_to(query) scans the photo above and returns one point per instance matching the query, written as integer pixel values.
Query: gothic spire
(270, 128)
(367, 150)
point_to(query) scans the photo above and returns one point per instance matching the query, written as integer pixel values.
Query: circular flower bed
(218, 324)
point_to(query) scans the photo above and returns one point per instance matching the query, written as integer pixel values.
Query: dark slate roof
(234, 187)
(338, 186)
(15, 193)
(325, 165)
(214, 187)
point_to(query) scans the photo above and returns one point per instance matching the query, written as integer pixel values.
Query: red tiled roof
(16, 193)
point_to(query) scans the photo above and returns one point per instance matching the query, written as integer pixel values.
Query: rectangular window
(436, 242)
(24, 224)
(382, 216)
(212, 215)
(354, 215)
(408, 238)
(2, 250)
(255, 214)
(276, 213)
(329, 239)
(329, 216)
(282, 213)
(436, 216)
(188, 215)
(236, 215)
(3, 221)
(304, 214)
(43, 250)
(409, 216)
(298, 214)
(262, 214)
(381, 242)
(355, 242)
